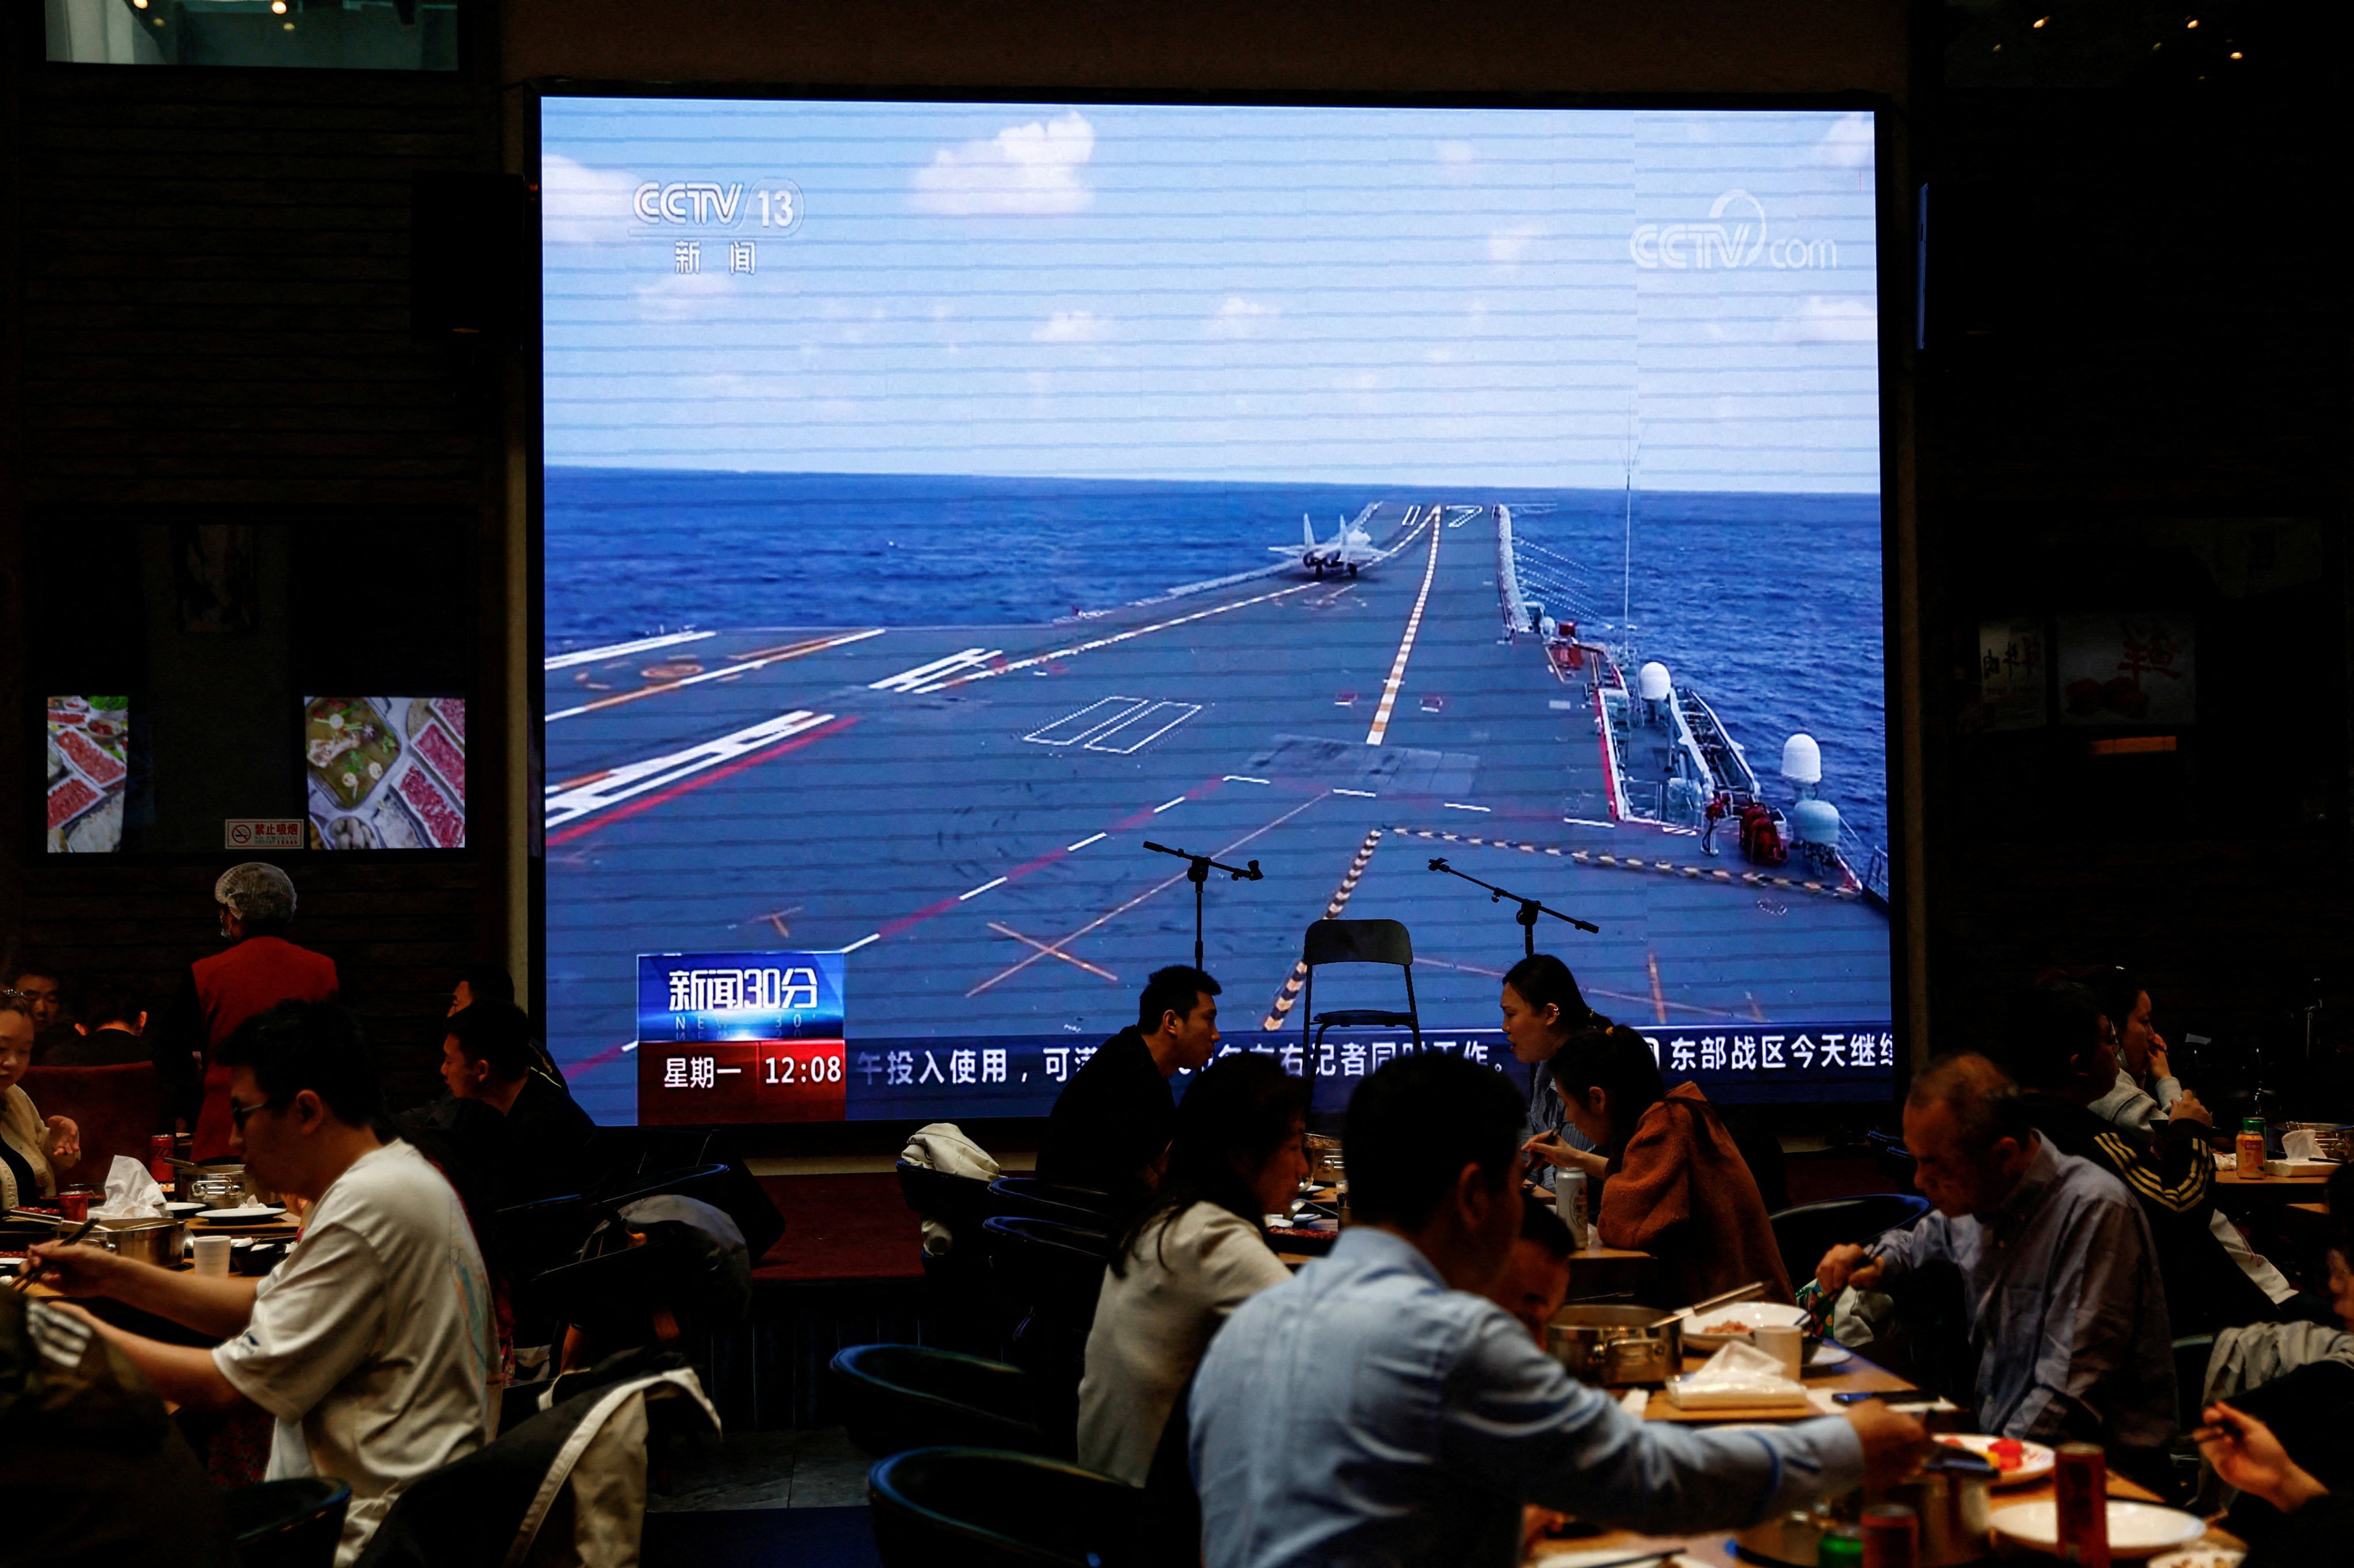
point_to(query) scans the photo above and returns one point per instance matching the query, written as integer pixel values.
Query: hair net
(256, 891)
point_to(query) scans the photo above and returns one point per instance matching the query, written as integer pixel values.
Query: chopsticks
(29, 1273)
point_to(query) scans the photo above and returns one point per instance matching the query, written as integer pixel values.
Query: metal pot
(224, 1184)
(1617, 1346)
(159, 1242)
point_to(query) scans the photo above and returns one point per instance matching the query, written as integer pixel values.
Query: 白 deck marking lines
(622, 650)
(1052, 950)
(1636, 862)
(1008, 667)
(1288, 997)
(759, 660)
(625, 791)
(1405, 648)
(1157, 888)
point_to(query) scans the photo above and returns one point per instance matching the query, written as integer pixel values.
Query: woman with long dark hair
(1542, 1008)
(1195, 1253)
(1674, 1185)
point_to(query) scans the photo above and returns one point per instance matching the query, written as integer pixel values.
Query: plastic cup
(212, 1254)
(1785, 1344)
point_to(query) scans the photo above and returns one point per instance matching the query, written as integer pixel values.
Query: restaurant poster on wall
(2128, 669)
(385, 772)
(89, 763)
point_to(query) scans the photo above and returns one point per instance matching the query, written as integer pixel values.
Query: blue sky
(1339, 295)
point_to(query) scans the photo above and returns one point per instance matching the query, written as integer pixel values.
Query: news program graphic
(88, 761)
(385, 773)
(740, 1037)
(943, 499)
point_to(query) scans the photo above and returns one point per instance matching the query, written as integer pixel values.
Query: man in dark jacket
(1110, 1125)
(2065, 1057)
(543, 1137)
(109, 1036)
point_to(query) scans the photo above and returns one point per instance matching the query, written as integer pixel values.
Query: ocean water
(1769, 604)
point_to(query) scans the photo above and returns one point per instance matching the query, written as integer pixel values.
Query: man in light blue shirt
(1373, 1410)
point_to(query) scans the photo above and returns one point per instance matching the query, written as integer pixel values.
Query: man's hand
(2188, 1109)
(2247, 1456)
(2157, 1066)
(1893, 1442)
(77, 1270)
(1847, 1264)
(65, 1140)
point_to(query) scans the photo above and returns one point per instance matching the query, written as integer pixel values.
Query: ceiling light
(2041, 20)
(278, 7)
(2192, 23)
(2237, 55)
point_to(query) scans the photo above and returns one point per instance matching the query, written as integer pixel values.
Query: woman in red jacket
(1673, 1183)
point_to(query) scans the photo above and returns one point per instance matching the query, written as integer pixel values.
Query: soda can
(73, 1206)
(2080, 1483)
(1892, 1537)
(1841, 1547)
(160, 1149)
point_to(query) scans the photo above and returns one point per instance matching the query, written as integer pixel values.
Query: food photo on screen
(385, 773)
(944, 499)
(89, 764)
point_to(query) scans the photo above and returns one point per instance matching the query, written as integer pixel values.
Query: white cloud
(1848, 144)
(1072, 326)
(1024, 169)
(581, 206)
(1821, 319)
(1239, 317)
(1455, 152)
(1507, 245)
(684, 296)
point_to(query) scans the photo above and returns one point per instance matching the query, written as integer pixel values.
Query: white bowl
(2136, 1530)
(1756, 1314)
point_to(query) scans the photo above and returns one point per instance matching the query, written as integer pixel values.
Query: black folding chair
(898, 1397)
(288, 1524)
(1357, 942)
(1807, 1231)
(982, 1508)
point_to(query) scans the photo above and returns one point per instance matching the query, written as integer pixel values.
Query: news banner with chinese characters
(763, 1037)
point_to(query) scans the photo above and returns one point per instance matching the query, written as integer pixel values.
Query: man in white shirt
(372, 1343)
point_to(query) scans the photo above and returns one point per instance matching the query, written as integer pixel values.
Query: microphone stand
(1197, 873)
(1530, 909)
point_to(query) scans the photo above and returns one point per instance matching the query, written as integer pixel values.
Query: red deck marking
(696, 781)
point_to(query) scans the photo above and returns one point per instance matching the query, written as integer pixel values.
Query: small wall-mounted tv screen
(945, 500)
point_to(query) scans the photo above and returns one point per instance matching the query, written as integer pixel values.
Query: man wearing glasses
(372, 1343)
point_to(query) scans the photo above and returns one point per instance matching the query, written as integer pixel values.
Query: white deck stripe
(1405, 648)
(611, 788)
(798, 651)
(994, 882)
(619, 650)
(1078, 648)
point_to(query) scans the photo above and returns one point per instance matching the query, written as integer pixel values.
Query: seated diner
(371, 1346)
(31, 1145)
(1109, 1128)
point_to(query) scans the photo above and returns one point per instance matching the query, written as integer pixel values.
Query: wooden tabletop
(1716, 1547)
(1854, 1375)
(2239, 1178)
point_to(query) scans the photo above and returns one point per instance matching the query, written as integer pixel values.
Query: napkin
(1740, 1374)
(131, 1192)
(2302, 1144)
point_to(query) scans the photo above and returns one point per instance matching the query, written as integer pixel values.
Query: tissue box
(1778, 1395)
(2299, 1167)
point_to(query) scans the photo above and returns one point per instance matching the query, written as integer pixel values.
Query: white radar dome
(1802, 760)
(1652, 681)
(1816, 823)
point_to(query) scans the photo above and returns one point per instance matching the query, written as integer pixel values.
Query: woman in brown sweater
(1673, 1183)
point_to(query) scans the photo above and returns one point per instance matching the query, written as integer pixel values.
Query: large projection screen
(944, 499)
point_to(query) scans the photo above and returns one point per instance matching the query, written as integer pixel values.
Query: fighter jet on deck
(1349, 548)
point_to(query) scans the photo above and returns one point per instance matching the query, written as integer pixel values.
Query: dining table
(1716, 1548)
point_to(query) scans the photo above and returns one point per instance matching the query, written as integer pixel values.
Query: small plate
(252, 1214)
(181, 1210)
(2136, 1530)
(1827, 1355)
(2038, 1460)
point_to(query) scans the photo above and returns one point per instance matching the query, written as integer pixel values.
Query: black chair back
(896, 1397)
(1806, 1233)
(1086, 1207)
(2190, 1356)
(983, 1508)
(1357, 942)
(1050, 1275)
(288, 1524)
